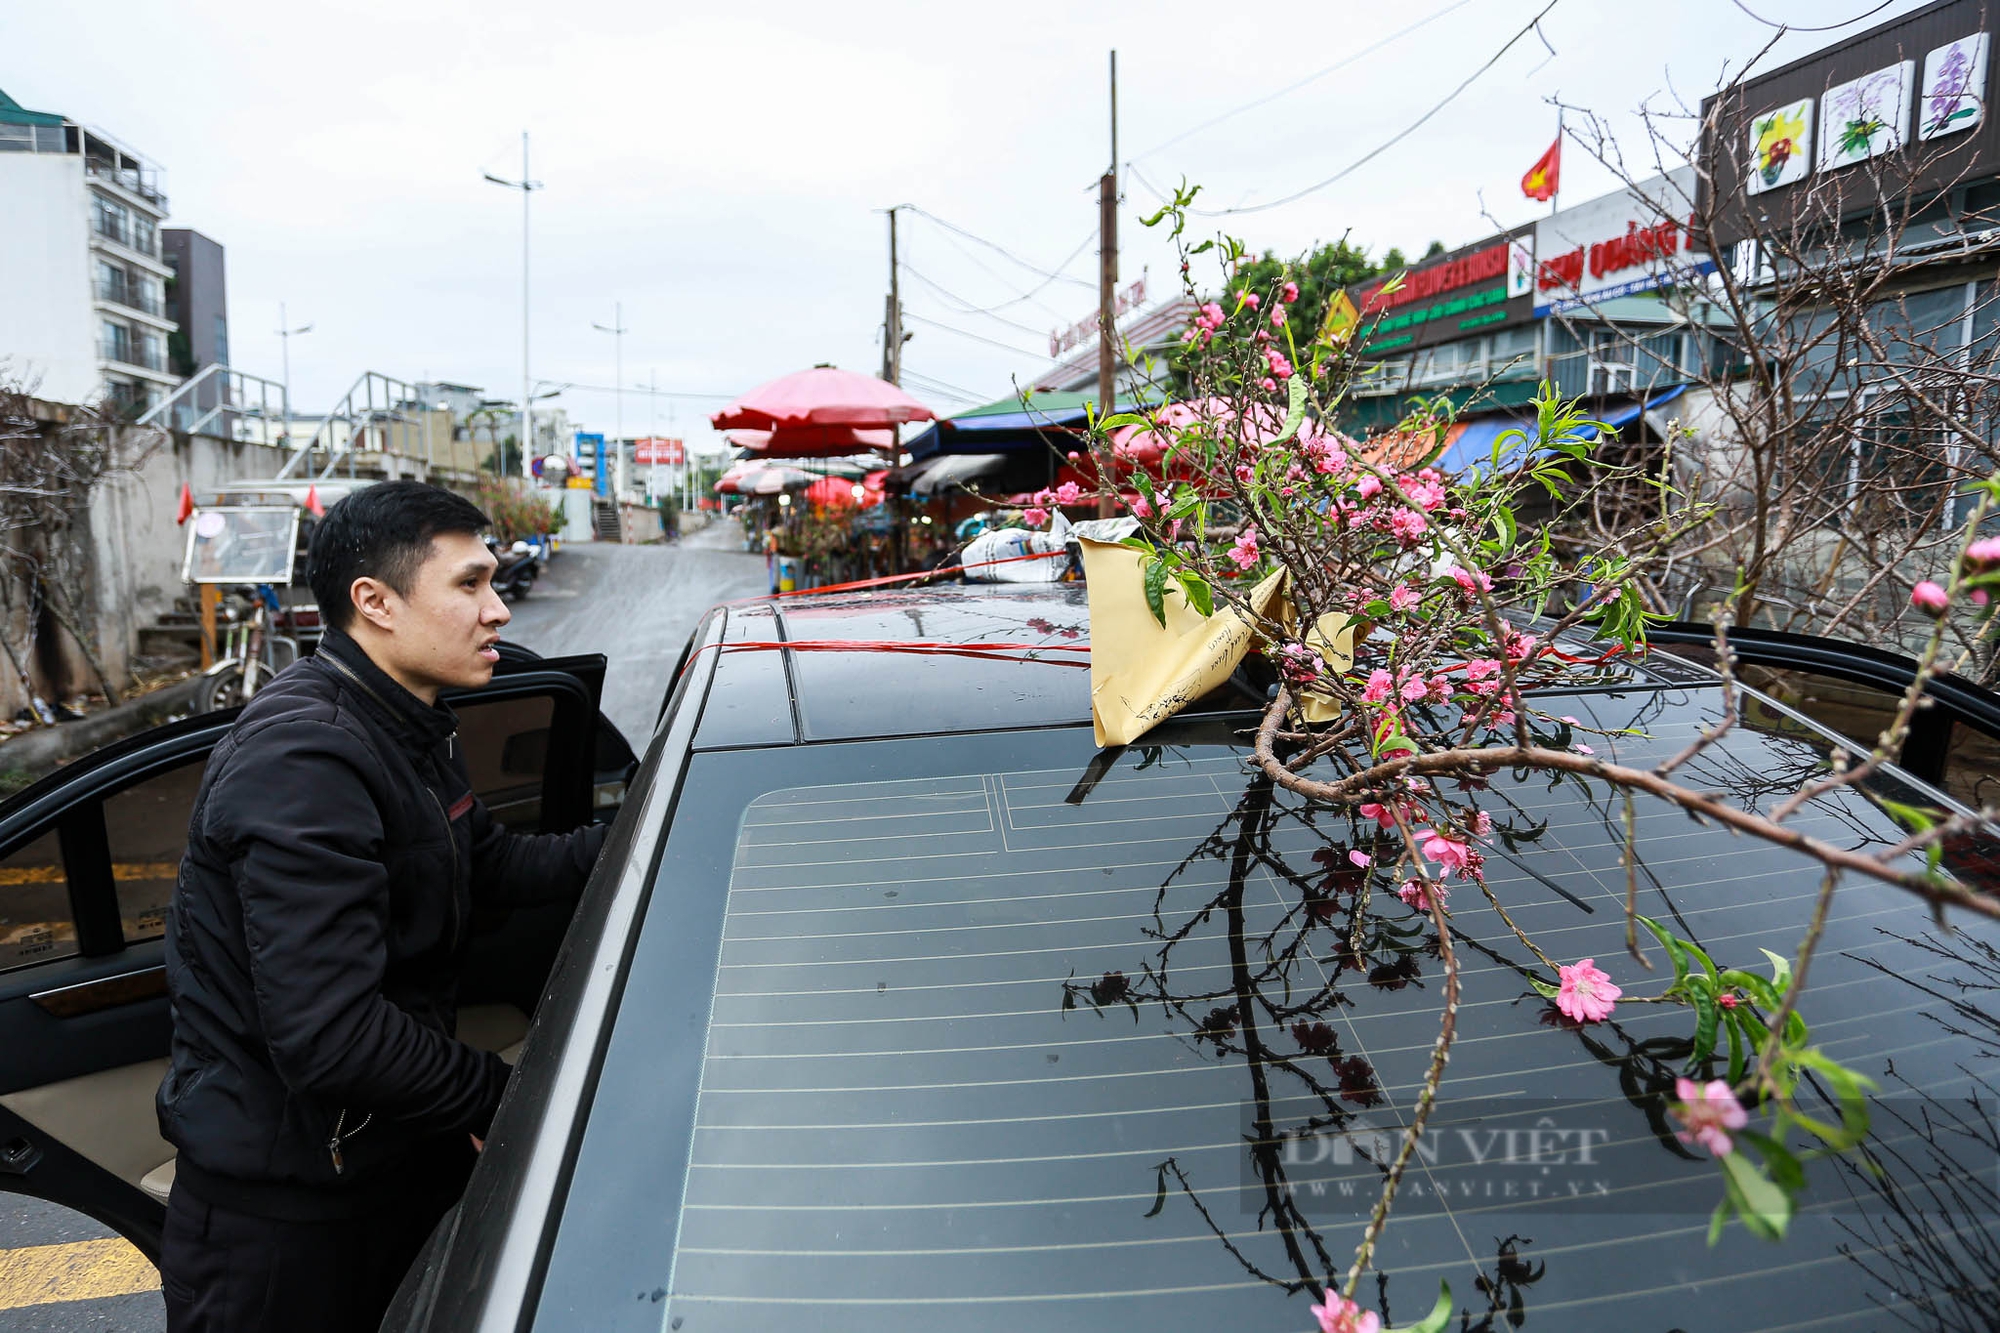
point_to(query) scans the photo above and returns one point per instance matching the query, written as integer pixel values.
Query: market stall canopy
(822, 396)
(839, 493)
(1043, 421)
(754, 478)
(811, 441)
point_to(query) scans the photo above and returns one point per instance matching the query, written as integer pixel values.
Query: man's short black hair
(383, 531)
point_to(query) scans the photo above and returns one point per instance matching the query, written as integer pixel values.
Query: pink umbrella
(811, 441)
(822, 396)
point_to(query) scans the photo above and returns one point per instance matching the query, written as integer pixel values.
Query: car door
(88, 859)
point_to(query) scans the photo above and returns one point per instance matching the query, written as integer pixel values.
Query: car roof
(944, 659)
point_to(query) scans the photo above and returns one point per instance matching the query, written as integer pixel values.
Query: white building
(84, 317)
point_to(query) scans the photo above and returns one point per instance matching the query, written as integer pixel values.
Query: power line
(1395, 139)
(642, 390)
(965, 307)
(931, 384)
(1362, 54)
(1825, 27)
(1031, 293)
(977, 337)
(1003, 251)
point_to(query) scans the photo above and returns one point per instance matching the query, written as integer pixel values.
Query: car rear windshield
(1003, 1033)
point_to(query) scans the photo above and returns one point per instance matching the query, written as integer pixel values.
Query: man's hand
(478, 1144)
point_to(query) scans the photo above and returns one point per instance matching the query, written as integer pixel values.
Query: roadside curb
(39, 752)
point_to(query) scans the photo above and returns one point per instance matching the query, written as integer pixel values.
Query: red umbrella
(839, 493)
(822, 396)
(812, 441)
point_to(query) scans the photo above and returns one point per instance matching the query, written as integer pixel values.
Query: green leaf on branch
(1766, 1210)
(1295, 413)
(1195, 588)
(1675, 951)
(1156, 591)
(1439, 1316)
(1543, 988)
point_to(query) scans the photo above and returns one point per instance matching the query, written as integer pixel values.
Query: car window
(146, 825)
(1972, 767)
(506, 753)
(1859, 712)
(1039, 1037)
(35, 923)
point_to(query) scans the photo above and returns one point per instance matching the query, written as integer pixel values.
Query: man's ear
(376, 602)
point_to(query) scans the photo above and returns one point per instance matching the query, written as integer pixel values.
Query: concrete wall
(137, 543)
(48, 333)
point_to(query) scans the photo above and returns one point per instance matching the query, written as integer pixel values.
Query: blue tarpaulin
(1473, 448)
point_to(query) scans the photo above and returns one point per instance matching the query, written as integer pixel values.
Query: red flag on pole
(186, 506)
(1545, 177)
(313, 505)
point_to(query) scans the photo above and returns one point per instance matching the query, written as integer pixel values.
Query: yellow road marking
(122, 870)
(81, 1271)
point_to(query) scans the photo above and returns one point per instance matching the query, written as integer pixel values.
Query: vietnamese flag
(1544, 179)
(313, 506)
(186, 508)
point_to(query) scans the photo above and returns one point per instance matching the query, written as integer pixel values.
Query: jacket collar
(419, 726)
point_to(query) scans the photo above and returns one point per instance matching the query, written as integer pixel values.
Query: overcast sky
(721, 169)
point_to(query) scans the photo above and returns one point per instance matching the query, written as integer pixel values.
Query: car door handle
(89, 997)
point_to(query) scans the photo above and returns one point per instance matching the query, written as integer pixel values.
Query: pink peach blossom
(1710, 1111)
(1140, 509)
(1380, 686)
(1340, 1315)
(1245, 552)
(1361, 858)
(1289, 293)
(1929, 596)
(1368, 487)
(1412, 892)
(1586, 994)
(1034, 518)
(1450, 854)
(1402, 597)
(1985, 551)
(1068, 493)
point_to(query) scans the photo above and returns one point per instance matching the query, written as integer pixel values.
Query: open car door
(88, 860)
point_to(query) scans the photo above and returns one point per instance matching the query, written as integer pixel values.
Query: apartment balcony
(131, 298)
(130, 176)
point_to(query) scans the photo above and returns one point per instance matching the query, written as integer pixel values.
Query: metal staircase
(604, 523)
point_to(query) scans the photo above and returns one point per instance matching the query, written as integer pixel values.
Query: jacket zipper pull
(333, 1146)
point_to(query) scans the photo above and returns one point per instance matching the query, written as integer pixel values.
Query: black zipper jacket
(315, 939)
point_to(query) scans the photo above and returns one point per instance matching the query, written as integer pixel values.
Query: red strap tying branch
(888, 579)
(994, 652)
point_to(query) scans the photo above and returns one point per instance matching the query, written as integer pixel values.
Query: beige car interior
(108, 1116)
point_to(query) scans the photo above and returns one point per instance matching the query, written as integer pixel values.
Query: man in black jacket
(325, 1116)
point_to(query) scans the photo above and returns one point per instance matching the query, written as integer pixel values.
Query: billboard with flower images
(1865, 117)
(1780, 146)
(1954, 88)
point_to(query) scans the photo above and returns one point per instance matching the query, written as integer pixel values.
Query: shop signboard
(590, 461)
(1634, 240)
(1775, 145)
(657, 451)
(1456, 295)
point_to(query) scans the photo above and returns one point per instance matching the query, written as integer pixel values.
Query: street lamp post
(617, 330)
(285, 335)
(527, 187)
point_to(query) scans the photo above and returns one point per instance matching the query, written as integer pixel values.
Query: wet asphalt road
(636, 605)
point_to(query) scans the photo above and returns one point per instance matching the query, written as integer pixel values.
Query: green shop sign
(1458, 305)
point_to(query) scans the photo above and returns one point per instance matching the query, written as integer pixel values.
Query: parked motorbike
(520, 566)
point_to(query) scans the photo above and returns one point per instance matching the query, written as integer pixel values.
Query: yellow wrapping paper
(1142, 673)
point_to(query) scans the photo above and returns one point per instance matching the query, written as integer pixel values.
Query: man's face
(447, 629)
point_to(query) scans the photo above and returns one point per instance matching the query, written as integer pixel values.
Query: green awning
(13, 113)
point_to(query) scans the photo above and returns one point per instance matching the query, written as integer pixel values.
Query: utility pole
(1107, 283)
(527, 187)
(618, 332)
(285, 334)
(892, 319)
